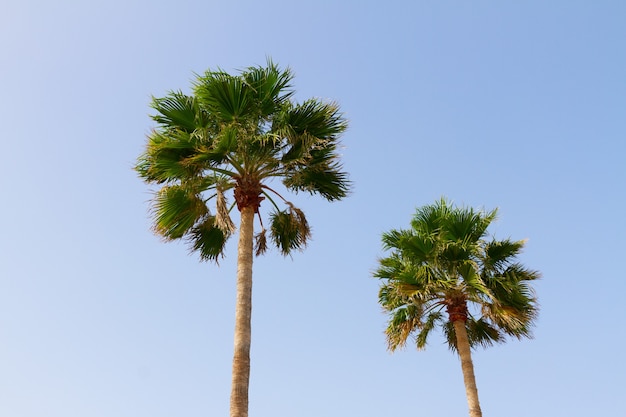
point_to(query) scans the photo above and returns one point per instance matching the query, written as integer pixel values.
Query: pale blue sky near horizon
(515, 105)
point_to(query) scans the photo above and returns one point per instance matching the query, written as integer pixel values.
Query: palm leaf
(433, 319)
(270, 85)
(499, 253)
(225, 96)
(176, 210)
(207, 239)
(176, 111)
(290, 229)
(403, 322)
(329, 181)
(169, 158)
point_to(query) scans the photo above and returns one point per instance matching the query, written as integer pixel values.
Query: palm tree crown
(237, 132)
(446, 269)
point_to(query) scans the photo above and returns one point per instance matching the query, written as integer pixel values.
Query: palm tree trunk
(243, 313)
(465, 353)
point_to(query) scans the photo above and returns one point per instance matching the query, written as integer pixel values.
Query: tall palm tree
(446, 271)
(237, 133)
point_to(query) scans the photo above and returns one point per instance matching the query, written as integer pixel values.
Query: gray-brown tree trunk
(243, 314)
(465, 353)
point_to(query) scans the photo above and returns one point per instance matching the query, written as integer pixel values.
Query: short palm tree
(446, 271)
(237, 133)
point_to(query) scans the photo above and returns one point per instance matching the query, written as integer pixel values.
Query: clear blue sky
(516, 105)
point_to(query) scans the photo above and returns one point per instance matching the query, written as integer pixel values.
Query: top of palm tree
(448, 263)
(237, 133)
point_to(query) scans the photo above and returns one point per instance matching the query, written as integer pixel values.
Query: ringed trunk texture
(243, 314)
(465, 353)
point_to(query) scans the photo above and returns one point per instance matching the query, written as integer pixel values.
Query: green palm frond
(311, 130)
(290, 229)
(449, 335)
(318, 120)
(270, 85)
(468, 225)
(392, 238)
(411, 313)
(499, 253)
(402, 323)
(420, 248)
(514, 308)
(427, 220)
(168, 157)
(473, 284)
(176, 210)
(226, 96)
(482, 333)
(387, 297)
(212, 160)
(325, 179)
(226, 143)
(434, 319)
(177, 111)
(207, 240)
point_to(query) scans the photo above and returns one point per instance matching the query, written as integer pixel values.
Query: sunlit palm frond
(168, 157)
(176, 210)
(270, 85)
(509, 320)
(226, 96)
(177, 111)
(226, 143)
(515, 307)
(473, 285)
(320, 120)
(324, 178)
(428, 219)
(420, 248)
(387, 297)
(468, 225)
(498, 254)
(402, 324)
(393, 238)
(311, 130)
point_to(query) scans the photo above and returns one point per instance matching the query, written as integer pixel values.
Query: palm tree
(237, 133)
(446, 271)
